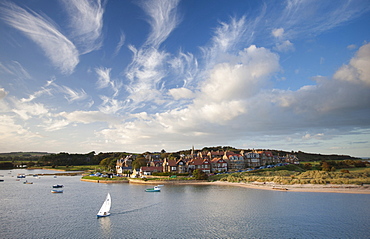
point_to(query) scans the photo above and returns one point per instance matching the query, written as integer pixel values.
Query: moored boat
(154, 189)
(56, 191)
(58, 186)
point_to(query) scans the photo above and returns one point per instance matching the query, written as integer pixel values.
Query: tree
(140, 161)
(325, 166)
(200, 175)
(307, 166)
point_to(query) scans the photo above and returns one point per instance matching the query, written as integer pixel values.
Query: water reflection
(105, 226)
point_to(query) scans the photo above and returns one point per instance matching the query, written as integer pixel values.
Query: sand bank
(321, 188)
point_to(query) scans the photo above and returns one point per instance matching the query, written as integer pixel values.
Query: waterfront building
(218, 165)
(199, 163)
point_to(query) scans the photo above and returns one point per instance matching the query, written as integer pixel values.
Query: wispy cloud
(16, 69)
(148, 66)
(302, 18)
(104, 80)
(12, 133)
(163, 19)
(86, 22)
(44, 32)
(120, 44)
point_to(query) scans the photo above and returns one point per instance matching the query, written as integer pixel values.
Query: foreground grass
(295, 175)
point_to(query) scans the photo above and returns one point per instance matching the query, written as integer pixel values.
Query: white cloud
(278, 32)
(87, 117)
(3, 93)
(73, 95)
(86, 21)
(163, 19)
(181, 93)
(16, 69)
(27, 110)
(242, 78)
(120, 44)
(104, 80)
(145, 73)
(302, 18)
(103, 77)
(358, 70)
(60, 50)
(351, 47)
(284, 46)
(12, 134)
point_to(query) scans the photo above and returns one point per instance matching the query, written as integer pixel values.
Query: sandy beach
(319, 188)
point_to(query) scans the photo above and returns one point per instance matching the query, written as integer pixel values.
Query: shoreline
(317, 188)
(313, 188)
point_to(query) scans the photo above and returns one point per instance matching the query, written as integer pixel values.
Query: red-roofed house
(199, 163)
(149, 170)
(173, 166)
(218, 165)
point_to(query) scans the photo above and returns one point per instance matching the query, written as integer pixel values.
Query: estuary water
(178, 211)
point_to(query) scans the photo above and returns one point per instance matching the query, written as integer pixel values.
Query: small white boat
(57, 186)
(155, 189)
(105, 208)
(56, 191)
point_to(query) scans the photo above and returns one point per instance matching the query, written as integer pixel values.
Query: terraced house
(208, 162)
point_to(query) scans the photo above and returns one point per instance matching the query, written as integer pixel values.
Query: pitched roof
(150, 169)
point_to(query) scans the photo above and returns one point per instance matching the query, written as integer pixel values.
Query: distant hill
(22, 155)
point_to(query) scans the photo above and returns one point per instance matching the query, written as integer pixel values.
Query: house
(253, 159)
(218, 165)
(124, 164)
(266, 157)
(199, 163)
(175, 166)
(215, 154)
(234, 160)
(149, 170)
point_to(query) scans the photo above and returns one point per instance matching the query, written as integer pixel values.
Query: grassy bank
(297, 175)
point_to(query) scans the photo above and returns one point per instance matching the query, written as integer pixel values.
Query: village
(208, 162)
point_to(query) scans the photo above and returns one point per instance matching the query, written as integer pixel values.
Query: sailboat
(104, 210)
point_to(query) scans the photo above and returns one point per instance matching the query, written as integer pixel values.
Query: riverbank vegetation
(297, 174)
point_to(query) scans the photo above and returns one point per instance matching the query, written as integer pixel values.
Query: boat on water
(105, 208)
(58, 186)
(56, 191)
(154, 189)
(21, 176)
(26, 182)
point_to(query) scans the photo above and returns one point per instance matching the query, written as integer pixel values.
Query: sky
(134, 76)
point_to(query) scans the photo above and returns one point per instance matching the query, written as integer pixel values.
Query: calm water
(32, 211)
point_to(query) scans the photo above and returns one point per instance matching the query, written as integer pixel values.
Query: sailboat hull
(99, 216)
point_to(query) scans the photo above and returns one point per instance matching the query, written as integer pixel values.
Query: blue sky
(136, 76)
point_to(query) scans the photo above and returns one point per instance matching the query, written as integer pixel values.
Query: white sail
(105, 208)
